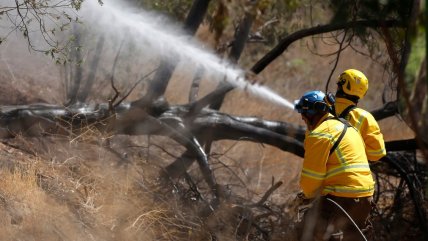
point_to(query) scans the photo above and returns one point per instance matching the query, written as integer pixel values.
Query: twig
(135, 85)
(112, 100)
(337, 60)
(269, 192)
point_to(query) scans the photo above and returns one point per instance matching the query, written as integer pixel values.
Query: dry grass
(29, 213)
(78, 197)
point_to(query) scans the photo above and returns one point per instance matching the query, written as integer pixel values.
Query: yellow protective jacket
(366, 124)
(344, 173)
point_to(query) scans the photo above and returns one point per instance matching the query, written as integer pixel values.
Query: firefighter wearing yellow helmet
(352, 85)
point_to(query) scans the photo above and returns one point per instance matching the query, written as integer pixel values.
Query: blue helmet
(311, 103)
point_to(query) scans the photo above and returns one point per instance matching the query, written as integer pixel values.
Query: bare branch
(113, 99)
(269, 192)
(337, 60)
(133, 87)
(93, 69)
(193, 93)
(389, 109)
(284, 43)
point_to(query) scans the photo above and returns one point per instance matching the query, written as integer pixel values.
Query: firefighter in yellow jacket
(352, 86)
(336, 169)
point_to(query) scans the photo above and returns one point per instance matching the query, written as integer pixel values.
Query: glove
(303, 204)
(301, 199)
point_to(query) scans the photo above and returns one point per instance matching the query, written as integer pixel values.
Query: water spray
(161, 37)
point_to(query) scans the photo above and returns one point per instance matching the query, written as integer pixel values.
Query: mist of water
(163, 38)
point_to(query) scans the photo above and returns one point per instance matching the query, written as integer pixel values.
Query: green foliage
(177, 9)
(278, 8)
(417, 55)
(76, 4)
(418, 51)
(44, 19)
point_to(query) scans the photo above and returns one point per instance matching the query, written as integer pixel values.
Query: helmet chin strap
(310, 120)
(341, 93)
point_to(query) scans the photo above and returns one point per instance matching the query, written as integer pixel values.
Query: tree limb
(158, 119)
(285, 42)
(388, 110)
(93, 69)
(196, 15)
(159, 83)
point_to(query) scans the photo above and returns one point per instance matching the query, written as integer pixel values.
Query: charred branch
(194, 88)
(49, 119)
(158, 84)
(218, 126)
(94, 66)
(180, 166)
(210, 98)
(287, 41)
(221, 126)
(45, 119)
(77, 72)
(388, 110)
(401, 145)
(174, 128)
(284, 128)
(196, 15)
(241, 36)
(268, 193)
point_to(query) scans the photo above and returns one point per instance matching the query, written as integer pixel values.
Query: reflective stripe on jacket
(366, 124)
(344, 173)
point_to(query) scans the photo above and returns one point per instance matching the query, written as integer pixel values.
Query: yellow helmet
(353, 82)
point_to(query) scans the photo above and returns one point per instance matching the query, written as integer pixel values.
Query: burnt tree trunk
(89, 81)
(159, 83)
